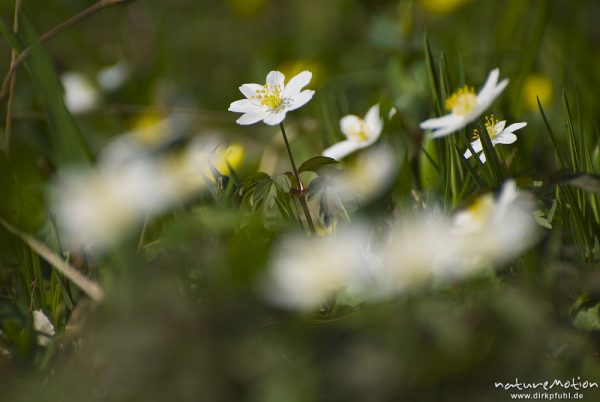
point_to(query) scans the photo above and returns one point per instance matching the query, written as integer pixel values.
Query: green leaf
(68, 145)
(588, 320)
(316, 163)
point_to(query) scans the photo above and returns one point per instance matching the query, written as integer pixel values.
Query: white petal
(490, 84)
(477, 147)
(295, 85)
(500, 126)
(301, 100)
(374, 123)
(249, 90)
(274, 119)
(504, 138)
(444, 131)
(276, 78)
(514, 127)
(350, 124)
(251, 118)
(439, 122)
(341, 149)
(484, 101)
(482, 157)
(245, 106)
(500, 88)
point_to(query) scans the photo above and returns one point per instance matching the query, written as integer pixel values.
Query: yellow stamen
(463, 101)
(481, 207)
(270, 96)
(490, 127)
(360, 132)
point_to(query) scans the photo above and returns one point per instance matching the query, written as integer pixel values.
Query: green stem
(300, 188)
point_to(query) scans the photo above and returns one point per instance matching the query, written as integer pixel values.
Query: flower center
(271, 96)
(462, 102)
(490, 127)
(359, 132)
(481, 208)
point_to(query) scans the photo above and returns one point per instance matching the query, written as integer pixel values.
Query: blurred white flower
(80, 93)
(365, 179)
(43, 326)
(271, 102)
(360, 133)
(421, 251)
(498, 229)
(305, 272)
(466, 106)
(417, 253)
(113, 77)
(150, 132)
(499, 134)
(94, 208)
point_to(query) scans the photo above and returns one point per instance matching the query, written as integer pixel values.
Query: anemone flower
(271, 102)
(499, 134)
(360, 133)
(466, 106)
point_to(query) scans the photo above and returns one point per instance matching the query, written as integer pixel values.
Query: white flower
(498, 229)
(364, 179)
(43, 326)
(466, 106)
(80, 93)
(305, 272)
(94, 208)
(271, 102)
(499, 134)
(113, 77)
(422, 251)
(360, 133)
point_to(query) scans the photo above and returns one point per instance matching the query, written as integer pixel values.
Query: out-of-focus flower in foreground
(466, 106)
(360, 133)
(499, 134)
(96, 208)
(417, 252)
(80, 93)
(498, 228)
(307, 271)
(442, 6)
(43, 326)
(271, 102)
(364, 179)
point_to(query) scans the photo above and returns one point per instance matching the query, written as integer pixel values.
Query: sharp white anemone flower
(271, 102)
(43, 327)
(498, 132)
(360, 133)
(466, 106)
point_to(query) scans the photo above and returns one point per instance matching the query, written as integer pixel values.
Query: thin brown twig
(58, 29)
(11, 85)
